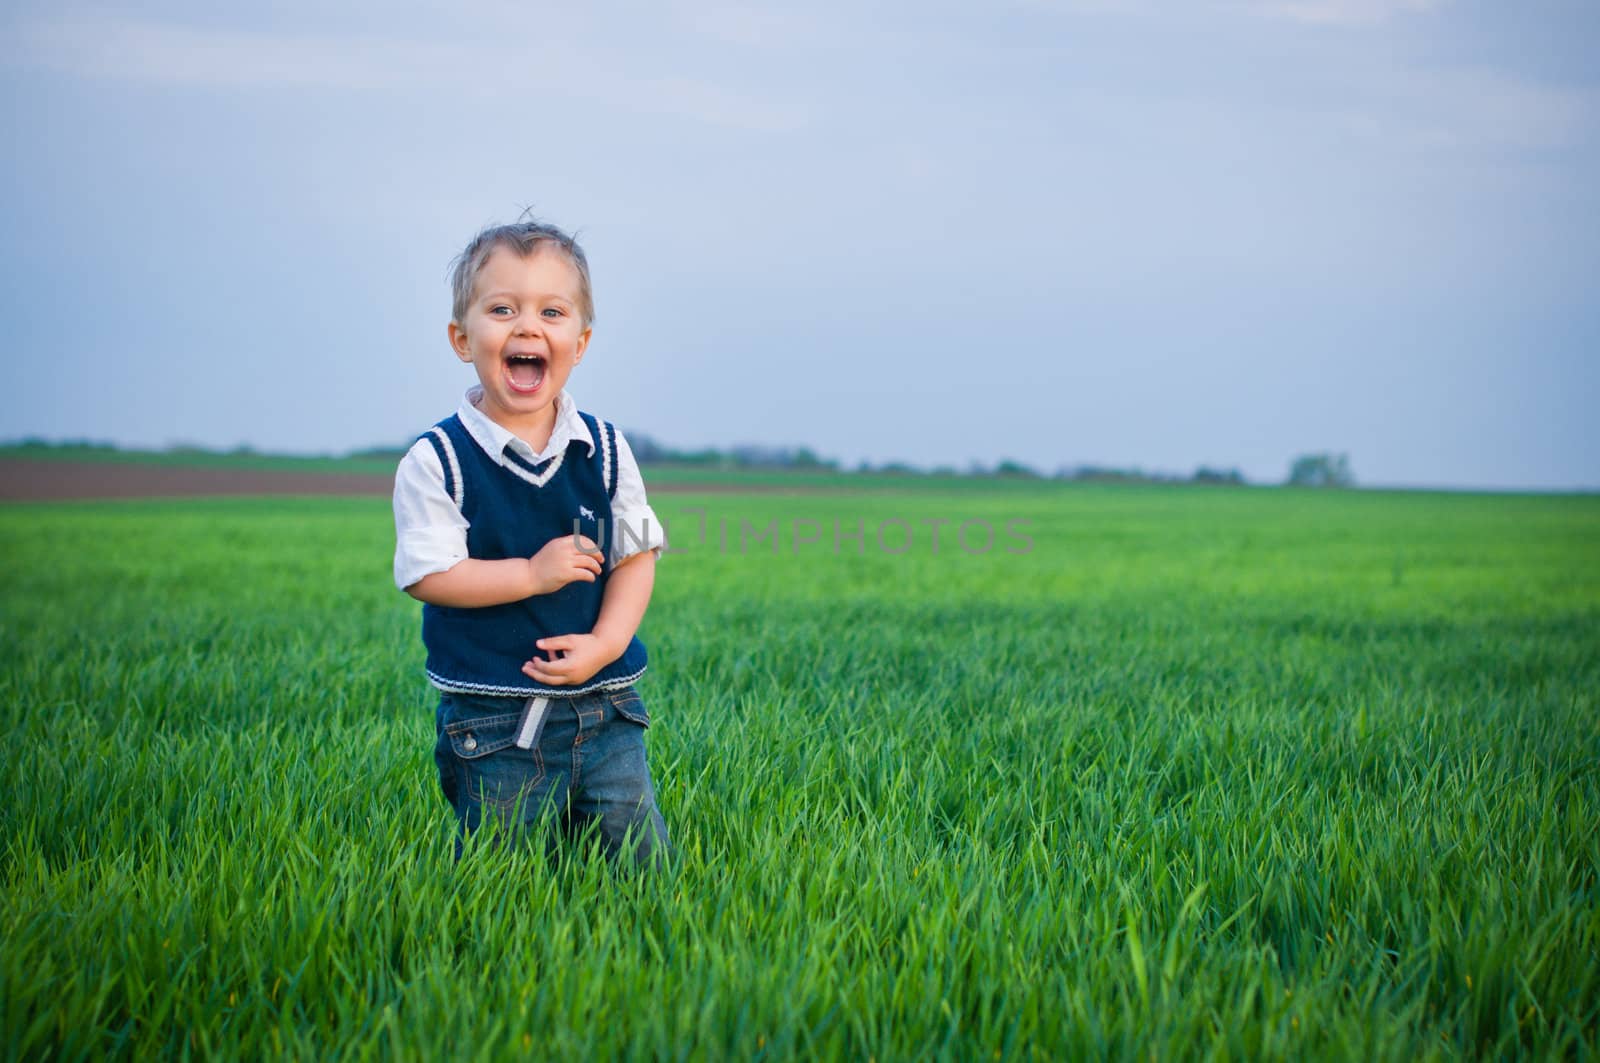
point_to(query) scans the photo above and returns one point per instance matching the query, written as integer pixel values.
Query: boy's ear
(583, 344)
(458, 341)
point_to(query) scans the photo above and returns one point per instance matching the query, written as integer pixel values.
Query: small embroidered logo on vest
(586, 513)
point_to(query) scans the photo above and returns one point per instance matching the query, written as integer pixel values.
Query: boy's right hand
(563, 561)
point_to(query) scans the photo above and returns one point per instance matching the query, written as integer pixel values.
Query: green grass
(1233, 773)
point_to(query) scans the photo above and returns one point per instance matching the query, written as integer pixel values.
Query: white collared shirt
(431, 533)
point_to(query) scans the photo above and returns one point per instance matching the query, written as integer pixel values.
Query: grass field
(1234, 772)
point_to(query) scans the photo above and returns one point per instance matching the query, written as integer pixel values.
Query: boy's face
(523, 333)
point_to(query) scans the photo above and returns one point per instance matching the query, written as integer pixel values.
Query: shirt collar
(494, 439)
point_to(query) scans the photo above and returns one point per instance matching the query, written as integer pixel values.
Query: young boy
(502, 512)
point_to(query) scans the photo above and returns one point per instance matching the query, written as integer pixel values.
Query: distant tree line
(751, 456)
(1204, 474)
(1307, 470)
(1321, 470)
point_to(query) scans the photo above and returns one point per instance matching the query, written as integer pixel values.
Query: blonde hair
(524, 236)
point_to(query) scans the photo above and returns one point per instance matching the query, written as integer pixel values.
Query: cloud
(1490, 111)
(1117, 8)
(752, 27)
(103, 46)
(1313, 12)
(711, 104)
(1094, 7)
(1342, 12)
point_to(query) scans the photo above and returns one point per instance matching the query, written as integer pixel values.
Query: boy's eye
(499, 309)
(551, 311)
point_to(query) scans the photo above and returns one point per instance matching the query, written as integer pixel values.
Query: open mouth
(525, 372)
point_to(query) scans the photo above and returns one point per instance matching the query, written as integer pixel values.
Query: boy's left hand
(583, 656)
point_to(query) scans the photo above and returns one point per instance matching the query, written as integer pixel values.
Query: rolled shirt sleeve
(636, 527)
(430, 532)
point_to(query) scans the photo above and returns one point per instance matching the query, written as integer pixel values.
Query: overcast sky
(1126, 232)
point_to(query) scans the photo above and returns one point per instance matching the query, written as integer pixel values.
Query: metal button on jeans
(469, 743)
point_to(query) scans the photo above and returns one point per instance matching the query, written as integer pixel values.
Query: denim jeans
(585, 770)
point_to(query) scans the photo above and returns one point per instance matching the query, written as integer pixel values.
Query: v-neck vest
(513, 510)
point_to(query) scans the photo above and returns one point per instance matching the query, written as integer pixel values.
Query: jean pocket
(492, 770)
(475, 738)
(629, 705)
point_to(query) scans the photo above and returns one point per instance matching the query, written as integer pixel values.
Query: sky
(1060, 232)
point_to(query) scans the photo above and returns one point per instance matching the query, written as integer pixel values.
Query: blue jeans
(586, 769)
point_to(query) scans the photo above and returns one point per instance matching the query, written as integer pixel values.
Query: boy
(501, 514)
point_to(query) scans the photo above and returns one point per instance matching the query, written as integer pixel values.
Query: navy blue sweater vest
(513, 510)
